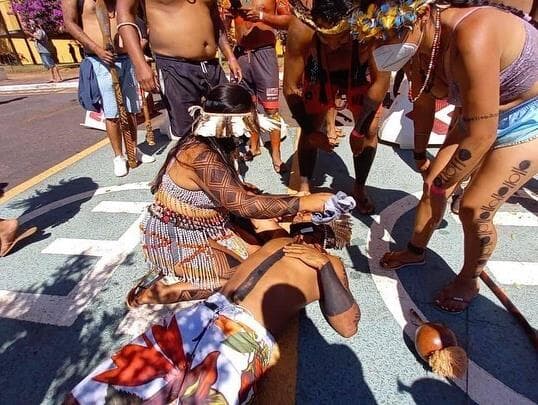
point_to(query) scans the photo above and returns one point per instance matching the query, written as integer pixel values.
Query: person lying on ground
(216, 350)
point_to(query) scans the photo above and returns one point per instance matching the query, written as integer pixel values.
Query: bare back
(287, 286)
(183, 28)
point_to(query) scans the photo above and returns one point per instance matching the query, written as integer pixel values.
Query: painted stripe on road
(522, 273)
(8, 195)
(128, 207)
(510, 218)
(479, 385)
(83, 247)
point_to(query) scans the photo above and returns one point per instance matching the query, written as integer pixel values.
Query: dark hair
(226, 98)
(330, 12)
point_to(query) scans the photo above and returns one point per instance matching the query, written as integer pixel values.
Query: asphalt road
(39, 131)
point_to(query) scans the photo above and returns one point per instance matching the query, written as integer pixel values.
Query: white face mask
(393, 57)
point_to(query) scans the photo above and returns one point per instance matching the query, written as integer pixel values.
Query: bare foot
(458, 294)
(8, 230)
(402, 258)
(281, 167)
(304, 187)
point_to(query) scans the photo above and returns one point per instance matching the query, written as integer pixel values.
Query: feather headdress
(227, 125)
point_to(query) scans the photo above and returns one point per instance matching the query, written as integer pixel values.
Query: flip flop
(145, 283)
(454, 299)
(402, 265)
(282, 168)
(249, 156)
(27, 233)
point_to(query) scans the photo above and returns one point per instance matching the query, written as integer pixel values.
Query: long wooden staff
(150, 136)
(510, 307)
(101, 11)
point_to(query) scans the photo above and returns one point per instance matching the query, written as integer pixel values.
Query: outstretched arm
(220, 182)
(224, 45)
(336, 301)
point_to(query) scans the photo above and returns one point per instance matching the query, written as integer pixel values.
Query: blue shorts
(47, 60)
(129, 87)
(518, 125)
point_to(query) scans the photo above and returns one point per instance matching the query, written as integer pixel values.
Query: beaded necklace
(426, 86)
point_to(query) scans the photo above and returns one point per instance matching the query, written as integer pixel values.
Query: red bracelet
(437, 190)
(356, 134)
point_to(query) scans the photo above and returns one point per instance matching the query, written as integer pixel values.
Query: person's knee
(472, 214)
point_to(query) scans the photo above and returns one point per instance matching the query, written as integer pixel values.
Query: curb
(39, 86)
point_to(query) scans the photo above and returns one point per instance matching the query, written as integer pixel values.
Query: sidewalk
(29, 79)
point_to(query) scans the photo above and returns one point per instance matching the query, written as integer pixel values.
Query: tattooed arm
(216, 179)
(336, 301)
(476, 73)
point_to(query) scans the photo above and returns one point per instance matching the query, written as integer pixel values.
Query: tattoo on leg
(486, 232)
(456, 164)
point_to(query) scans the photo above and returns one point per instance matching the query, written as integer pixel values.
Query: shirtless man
(255, 23)
(217, 350)
(184, 35)
(312, 51)
(81, 22)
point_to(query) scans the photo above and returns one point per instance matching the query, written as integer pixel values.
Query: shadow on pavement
(45, 200)
(489, 334)
(430, 391)
(328, 373)
(42, 362)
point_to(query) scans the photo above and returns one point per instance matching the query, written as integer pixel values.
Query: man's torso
(255, 35)
(90, 24)
(183, 28)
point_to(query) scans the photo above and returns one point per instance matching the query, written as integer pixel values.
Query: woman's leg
(425, 220)
(502, 173)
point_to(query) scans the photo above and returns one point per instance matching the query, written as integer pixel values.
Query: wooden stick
(150, 136)
(510, 307)
(101, 11)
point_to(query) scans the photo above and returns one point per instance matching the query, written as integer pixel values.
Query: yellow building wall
(10, 19)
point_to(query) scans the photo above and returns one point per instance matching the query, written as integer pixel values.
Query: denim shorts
(129, 87)
(518, 125)
(47, 60)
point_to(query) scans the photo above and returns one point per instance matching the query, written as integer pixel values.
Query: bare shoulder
(299, 35)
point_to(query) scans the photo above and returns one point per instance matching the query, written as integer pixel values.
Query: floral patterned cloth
(211, 353)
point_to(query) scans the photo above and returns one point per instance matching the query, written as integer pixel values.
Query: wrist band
(436, 190)
(261, 15)
(419, 155)
(356, 134)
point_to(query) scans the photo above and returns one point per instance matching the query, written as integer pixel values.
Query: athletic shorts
(212, 352)
(48, 60)
(260, 74)
(518, 125)
(183, 84)
(128, 84)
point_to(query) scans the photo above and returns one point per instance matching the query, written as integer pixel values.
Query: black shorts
(183, 84)
(260, 74)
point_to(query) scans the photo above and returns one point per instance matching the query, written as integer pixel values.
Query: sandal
(282, 168)
(384, 262)
(4, 251)
(249, 155)
(144, 284)
(459, 300)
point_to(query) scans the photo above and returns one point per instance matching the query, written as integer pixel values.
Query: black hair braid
(517, 12)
